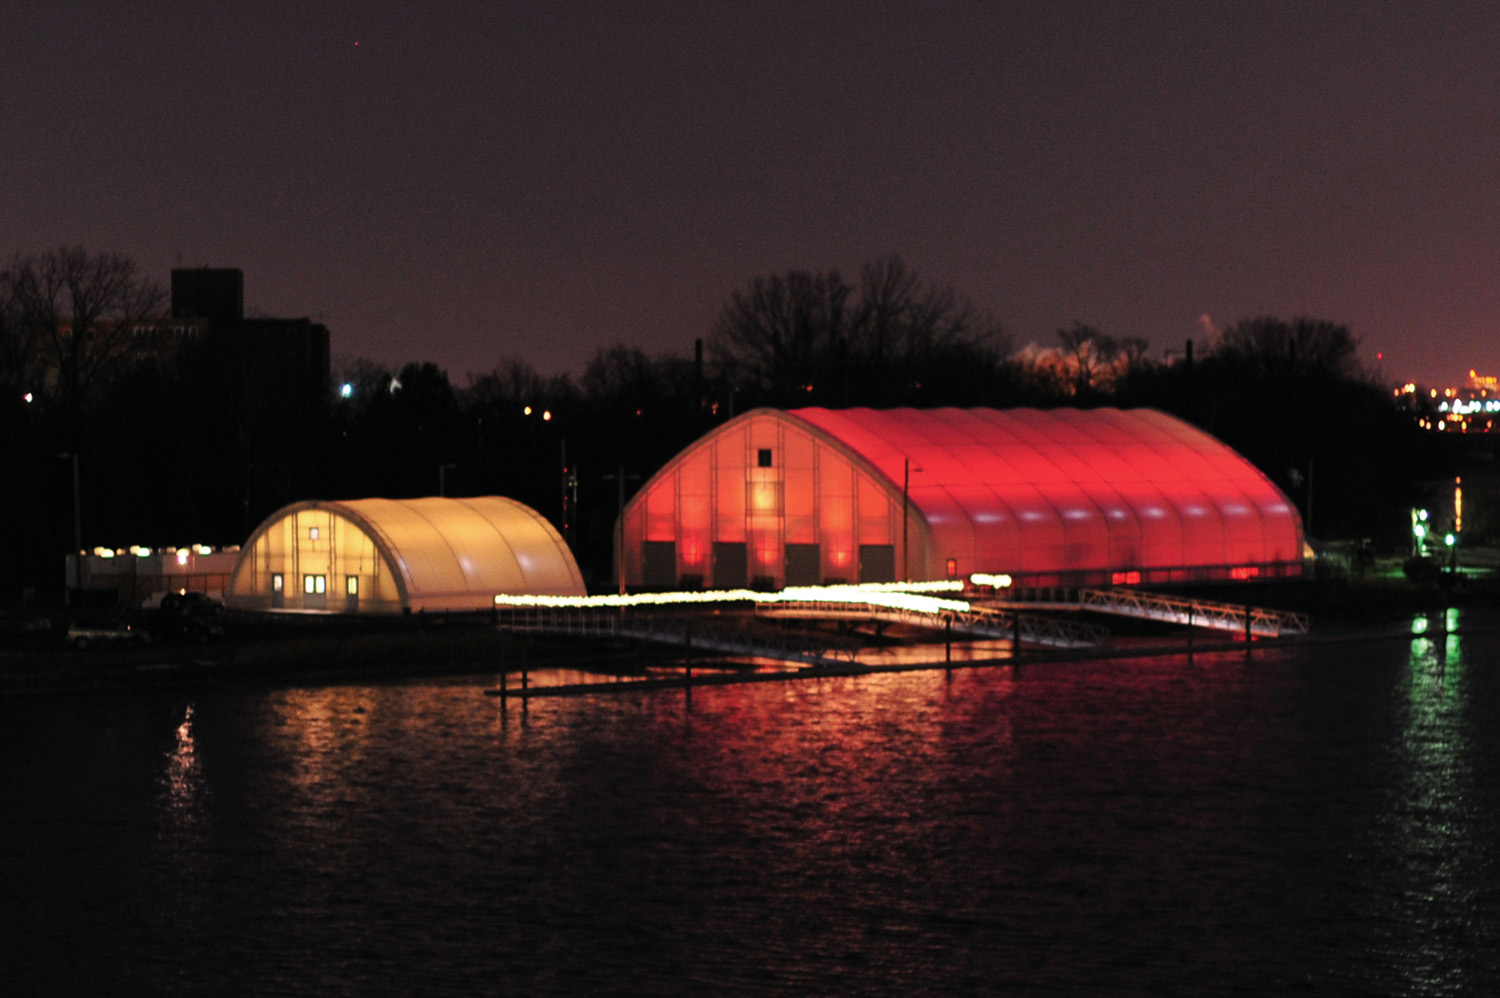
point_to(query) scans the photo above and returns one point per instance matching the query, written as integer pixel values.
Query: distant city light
(1470, 407)
(28, 397)
(346, 390)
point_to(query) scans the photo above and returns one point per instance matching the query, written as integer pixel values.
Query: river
(1316, 819)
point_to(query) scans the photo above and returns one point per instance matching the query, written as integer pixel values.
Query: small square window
(764, 457)
(307, 584)
(312, 533)
(278, 582)
(351, 585)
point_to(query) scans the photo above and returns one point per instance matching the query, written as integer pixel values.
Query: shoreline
(343, 650)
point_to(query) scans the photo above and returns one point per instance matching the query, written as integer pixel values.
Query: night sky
(467, 182)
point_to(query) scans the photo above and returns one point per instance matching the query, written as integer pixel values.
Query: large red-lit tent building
(1064, 496)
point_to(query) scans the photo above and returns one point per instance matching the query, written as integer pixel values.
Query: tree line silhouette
(171, 452)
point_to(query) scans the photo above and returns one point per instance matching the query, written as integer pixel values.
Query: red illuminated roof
(1036, 490)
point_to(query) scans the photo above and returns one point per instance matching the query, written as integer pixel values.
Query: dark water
(1320, 821)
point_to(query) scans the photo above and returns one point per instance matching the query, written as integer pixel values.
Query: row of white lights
(910, 596)
(141, 551)
(1465, 408)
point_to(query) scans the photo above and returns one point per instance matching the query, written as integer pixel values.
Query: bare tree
(886, 336)
(16, 363)
(619, 371)
(78, 314)
(1133, 349)
(1090, 354)
(514, 384)
(1296, 348)
(784, 325)
(901, 315)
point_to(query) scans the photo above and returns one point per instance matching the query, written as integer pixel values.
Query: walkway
(1238, 618)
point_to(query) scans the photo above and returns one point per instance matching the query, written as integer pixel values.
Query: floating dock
(1014, 622)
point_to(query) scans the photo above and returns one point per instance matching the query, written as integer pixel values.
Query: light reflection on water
(1432, 828)
(1320, 818)
(182, 780)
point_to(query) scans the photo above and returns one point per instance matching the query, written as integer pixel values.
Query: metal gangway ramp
(1238, 618)
(688, 633)
(977, 621)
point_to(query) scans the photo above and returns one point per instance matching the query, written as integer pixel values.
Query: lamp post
(77, 521)
(1419, 519)
(907, 469)
(619, 480)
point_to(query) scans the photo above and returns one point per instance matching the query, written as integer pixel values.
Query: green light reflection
(1430, 882)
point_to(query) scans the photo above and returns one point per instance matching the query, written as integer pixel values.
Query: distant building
(1473, 407)
(273, 357)
(135, 576)
(216, 294)
(267, 380)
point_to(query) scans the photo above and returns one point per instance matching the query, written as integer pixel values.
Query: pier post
(1247, 627)
(948, 642)
(1015, 650)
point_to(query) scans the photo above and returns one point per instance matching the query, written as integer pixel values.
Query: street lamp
(907, 469)
(77, 521)
(619, 480)
(1419, 531)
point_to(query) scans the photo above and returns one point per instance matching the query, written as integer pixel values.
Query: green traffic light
(1448, 539)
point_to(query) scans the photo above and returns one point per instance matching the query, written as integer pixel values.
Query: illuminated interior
(818, 496)
(400, 555)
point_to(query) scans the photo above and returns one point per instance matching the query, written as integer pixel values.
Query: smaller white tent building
(400, 555)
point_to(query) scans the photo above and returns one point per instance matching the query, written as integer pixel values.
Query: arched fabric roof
(811, 495)
(1040, 490)
(390, 555)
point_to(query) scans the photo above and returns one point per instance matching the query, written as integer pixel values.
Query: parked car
(173, 625)
(24, 622)
(200, 604)
(103, 629)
